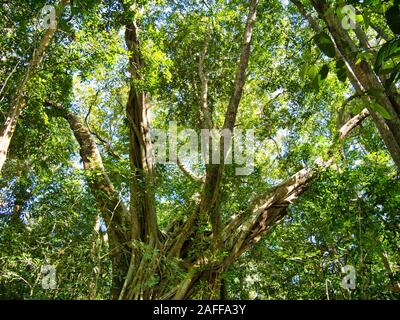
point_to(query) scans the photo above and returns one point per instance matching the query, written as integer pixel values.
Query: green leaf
(303, 71)
(359, 18)
(341, 70)
(393, 77)
(388, 51)
(325, 44)
(393, 18)
(312, 72)
(316, 82)
(324, 71)
(367, 22)
(381, 110)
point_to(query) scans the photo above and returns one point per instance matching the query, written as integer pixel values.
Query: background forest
(87, 213)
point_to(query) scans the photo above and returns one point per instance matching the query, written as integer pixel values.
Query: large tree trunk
(142, 208)
(144, 219)
(18, 101)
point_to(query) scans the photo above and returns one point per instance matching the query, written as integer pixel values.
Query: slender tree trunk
(141, 255)
(18, 101)
(394, 283)
(210, 200)
(95, 253)
(367, 80)
(110, 204)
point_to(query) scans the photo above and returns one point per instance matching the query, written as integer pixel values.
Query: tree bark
(203, 273)
(110, 204)
(144, 219)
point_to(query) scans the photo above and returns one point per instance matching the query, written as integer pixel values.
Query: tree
(195, 229)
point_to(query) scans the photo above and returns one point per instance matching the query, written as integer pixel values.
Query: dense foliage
(303, 84)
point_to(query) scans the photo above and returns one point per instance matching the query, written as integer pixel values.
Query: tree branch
(188, 172)
(209, 204)
(266, 211)
(114, 211)
(352, 123)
